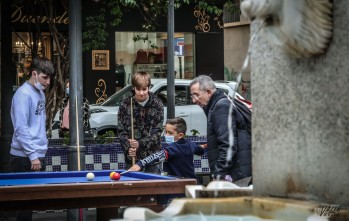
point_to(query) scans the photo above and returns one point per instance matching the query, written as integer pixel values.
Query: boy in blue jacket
(179, 153)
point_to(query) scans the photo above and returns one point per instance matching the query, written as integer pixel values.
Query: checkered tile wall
(108, 156)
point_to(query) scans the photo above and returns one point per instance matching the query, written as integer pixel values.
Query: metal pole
(180, 67)
(75, 75)
(170, 62)
(75, 99)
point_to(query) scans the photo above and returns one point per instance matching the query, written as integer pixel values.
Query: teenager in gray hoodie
(28, 114)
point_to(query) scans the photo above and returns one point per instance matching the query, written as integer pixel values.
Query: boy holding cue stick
(140, 122)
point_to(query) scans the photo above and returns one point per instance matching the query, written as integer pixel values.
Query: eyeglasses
(196, 96)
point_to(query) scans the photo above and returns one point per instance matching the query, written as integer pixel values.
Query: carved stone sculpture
(302, 27)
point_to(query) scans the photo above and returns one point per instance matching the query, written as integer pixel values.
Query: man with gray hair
(216, 107)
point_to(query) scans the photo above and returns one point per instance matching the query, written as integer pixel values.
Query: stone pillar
(301, 119)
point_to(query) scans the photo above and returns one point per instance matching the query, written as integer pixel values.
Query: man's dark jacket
(217, 112)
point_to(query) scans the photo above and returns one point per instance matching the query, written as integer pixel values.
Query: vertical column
(170, 61)
(76, 149)
(76, 100)
(8, 81)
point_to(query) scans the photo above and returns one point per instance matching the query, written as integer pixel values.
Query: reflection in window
(181, 95)
(141, 51)
(23, 43)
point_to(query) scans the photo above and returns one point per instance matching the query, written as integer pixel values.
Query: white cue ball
(90, 176)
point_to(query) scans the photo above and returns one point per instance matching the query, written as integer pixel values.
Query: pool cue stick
(77, 131)
(132, 133)
(126, 171)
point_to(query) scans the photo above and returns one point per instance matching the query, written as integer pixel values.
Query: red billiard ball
(116, 176)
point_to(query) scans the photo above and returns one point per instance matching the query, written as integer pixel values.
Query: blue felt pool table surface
(38, 178)
(71, 189)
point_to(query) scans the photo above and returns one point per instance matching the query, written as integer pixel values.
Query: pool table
(71, 189)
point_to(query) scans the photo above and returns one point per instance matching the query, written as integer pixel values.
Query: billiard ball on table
(111, 175)
(90, 176)
(116, 176)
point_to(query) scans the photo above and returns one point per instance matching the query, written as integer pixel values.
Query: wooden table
(67, 190)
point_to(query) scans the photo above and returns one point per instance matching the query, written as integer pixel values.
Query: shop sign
(18, 16)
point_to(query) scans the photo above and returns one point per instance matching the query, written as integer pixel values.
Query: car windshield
(116, 98)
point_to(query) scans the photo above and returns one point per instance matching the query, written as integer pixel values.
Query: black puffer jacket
(217, 112)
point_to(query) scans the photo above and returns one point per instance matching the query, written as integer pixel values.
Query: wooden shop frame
(100, 59)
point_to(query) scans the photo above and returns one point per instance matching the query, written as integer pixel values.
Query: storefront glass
(23, 43)
(140, 51)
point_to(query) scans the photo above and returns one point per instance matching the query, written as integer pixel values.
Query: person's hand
(135, 168)
(36, 165)
(132, 152)
(204, 145)
(133, 143)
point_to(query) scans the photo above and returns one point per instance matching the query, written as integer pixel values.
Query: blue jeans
(23, 164)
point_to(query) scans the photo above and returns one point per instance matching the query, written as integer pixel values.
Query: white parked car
(104, 115)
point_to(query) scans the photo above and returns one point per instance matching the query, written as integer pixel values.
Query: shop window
(181, 95)
(140, 51)
(23, 44)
